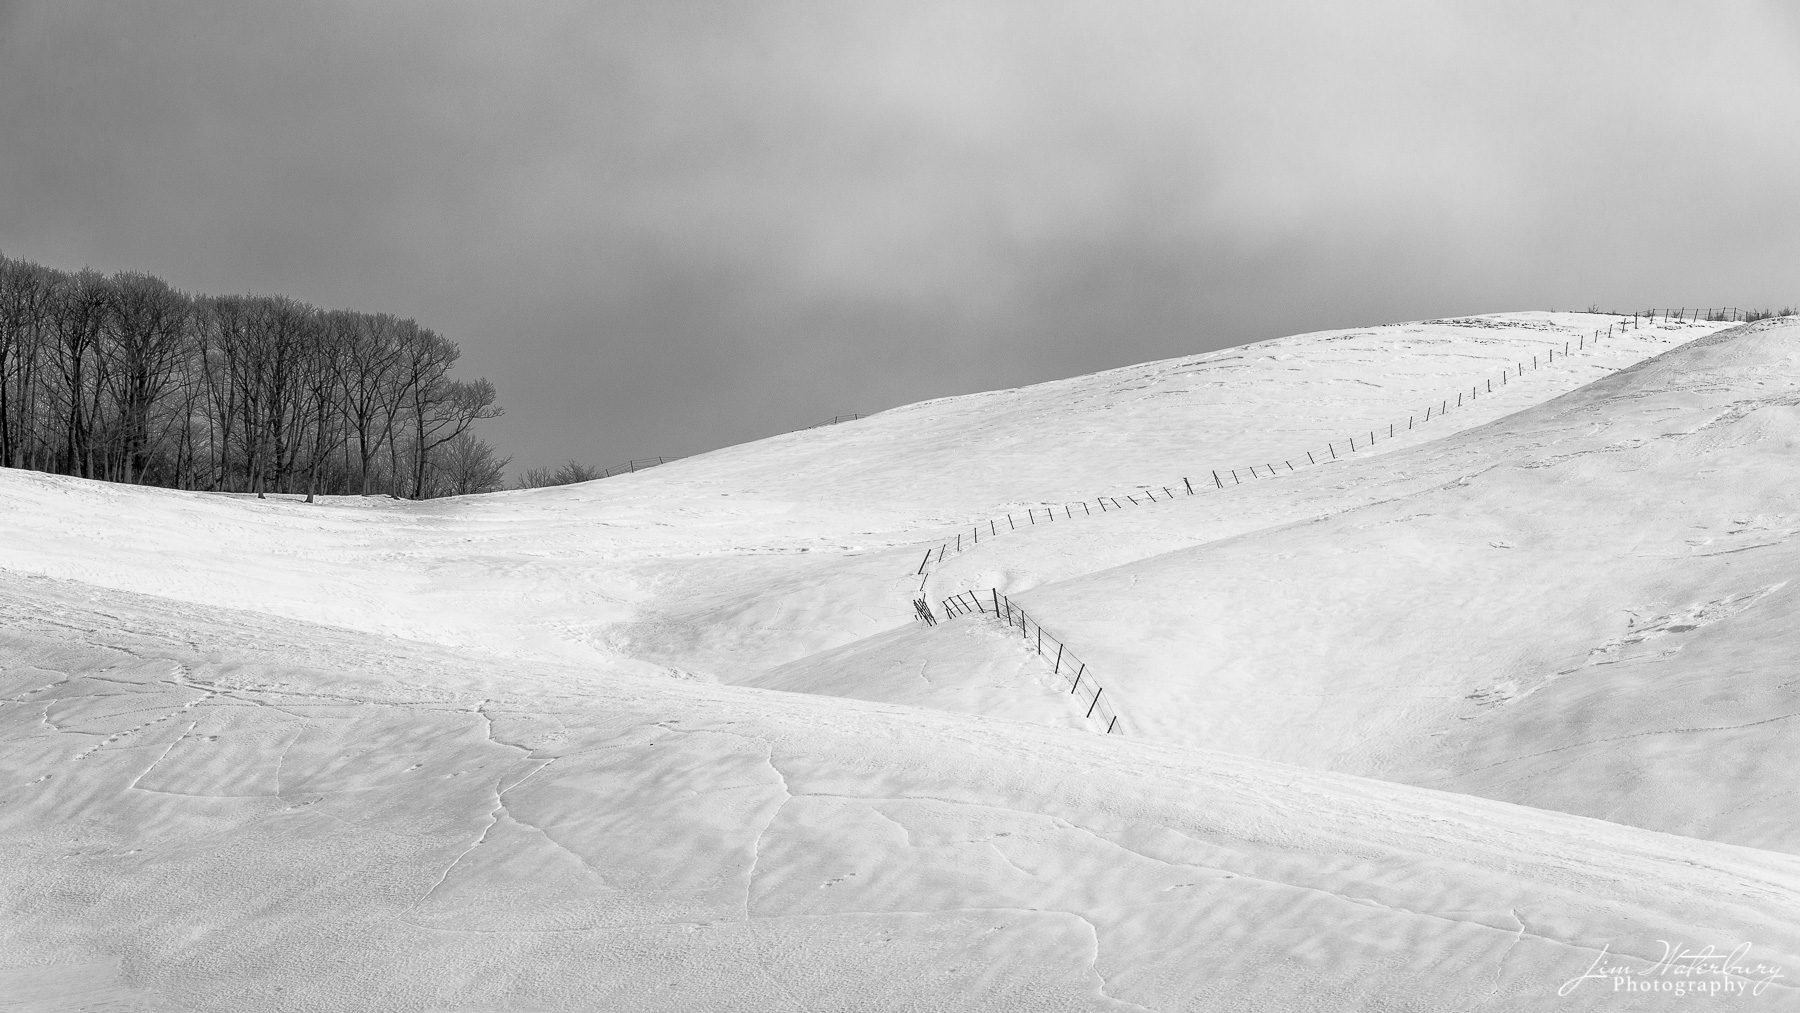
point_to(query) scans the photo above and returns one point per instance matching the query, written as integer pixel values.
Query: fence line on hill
(1354, 444)
(1098, 704)
(635, 465)
(1082, 683)
(642, 463)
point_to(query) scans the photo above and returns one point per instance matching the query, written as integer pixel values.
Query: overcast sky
(663, 227)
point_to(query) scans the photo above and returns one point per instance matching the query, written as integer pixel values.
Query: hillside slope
(1448, 721)
(1588, 605)
(209, 810)
(725, 564)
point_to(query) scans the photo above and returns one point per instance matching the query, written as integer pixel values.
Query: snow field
(287, 818)
(1438, 726)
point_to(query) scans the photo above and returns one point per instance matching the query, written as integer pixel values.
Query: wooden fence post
(1097, 691)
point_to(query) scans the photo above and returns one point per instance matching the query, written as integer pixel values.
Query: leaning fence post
(924, 562)
(1190, 487)
(1077, 684)
(1216, 480)
(1056, 666)
(996, 601)
(1097, 691)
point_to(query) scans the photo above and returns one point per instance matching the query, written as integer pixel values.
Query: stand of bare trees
(125, 379)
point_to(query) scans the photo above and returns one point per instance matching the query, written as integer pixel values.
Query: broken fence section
(1098, 708)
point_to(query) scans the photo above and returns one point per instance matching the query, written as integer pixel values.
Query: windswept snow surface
(1488, 715)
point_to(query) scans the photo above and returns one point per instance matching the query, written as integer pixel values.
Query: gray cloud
(666, 227)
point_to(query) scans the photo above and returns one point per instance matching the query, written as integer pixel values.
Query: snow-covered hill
(1450, 720)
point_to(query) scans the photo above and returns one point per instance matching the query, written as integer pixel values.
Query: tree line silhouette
(126, 379)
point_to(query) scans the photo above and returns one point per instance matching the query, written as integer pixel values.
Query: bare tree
(25, 295)
(439, 409)
(318, 419)
(466, 465)
(568, 473)
(125, 378)
(147, 325)
(369, 366)
(79, 307)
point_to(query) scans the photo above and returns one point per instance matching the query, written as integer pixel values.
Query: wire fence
(638, 465)
(1334, 450)
(1098, 709)
(650, 462)
(832, 422)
